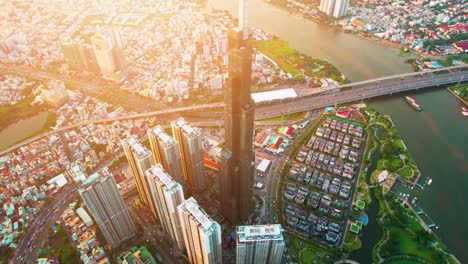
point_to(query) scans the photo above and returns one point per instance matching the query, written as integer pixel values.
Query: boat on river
(413, 103)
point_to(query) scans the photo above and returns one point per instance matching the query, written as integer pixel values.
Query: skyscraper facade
(237, 164)
(101, 196)
(167, 195)
(202, 235)
(166, 152)
(72, 55)
(108, 46)
(89, 58)
(340, 8)
(336, 8)
(103, 49)
(191, 153)
(140, 160)
(259, 244)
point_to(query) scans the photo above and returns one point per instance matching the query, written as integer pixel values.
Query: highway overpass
(334, 95)
(340, 95)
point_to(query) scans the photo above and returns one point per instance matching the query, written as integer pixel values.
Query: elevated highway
(334, 95)
(340, 95)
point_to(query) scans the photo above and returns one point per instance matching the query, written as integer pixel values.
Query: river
(436, 137)
(357, 58)
(22, 129)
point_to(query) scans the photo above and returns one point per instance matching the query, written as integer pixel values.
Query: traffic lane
(42, 215)
(302, 104)
(41, 234)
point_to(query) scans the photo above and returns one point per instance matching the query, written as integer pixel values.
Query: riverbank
(325, 20)
(297, 64)
(405, 236)
(355, 57)
(27, 128)
(11, 114)
(460, 92)
(310, 12)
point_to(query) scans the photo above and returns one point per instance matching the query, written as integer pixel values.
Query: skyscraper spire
(243, 18)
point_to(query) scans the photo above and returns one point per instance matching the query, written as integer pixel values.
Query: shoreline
(384, 196)
(382, 42)
(456, 95)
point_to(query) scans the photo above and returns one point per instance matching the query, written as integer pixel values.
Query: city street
(37, 234)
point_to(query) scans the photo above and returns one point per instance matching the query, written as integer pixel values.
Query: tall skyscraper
(237, 164)
(89, 58)
(166, 152)
(101, 196)
(108, 46)
(80, 56)
(259, 244)
(140, 160)
(340, 8)
(202, 235)
(244, 19)
(191, 153)
(167, 195)
(336, 8)
(72, 55)
(103, 49)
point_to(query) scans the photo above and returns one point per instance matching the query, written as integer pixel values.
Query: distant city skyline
(85, 82)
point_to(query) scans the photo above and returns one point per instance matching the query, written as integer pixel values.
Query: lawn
(279, 50)
(291, 117)
(405, 172)
(352, 241)
(400, 145)
(407, 237)
(291, 61)
(308, 252)
(461, 90)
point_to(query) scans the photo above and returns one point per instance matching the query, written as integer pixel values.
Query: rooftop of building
(161, 175)
(274, 95)
(186, 128)
(198, 214)
(162, 137)
(137, 255)
(136, 147)
(95, 177)
(259, 232)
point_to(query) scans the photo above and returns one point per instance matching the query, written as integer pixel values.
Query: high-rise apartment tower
(140, 160)
(167, 195)
(191, 153)
(202, 235)
(101, 196)
(259, 244)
